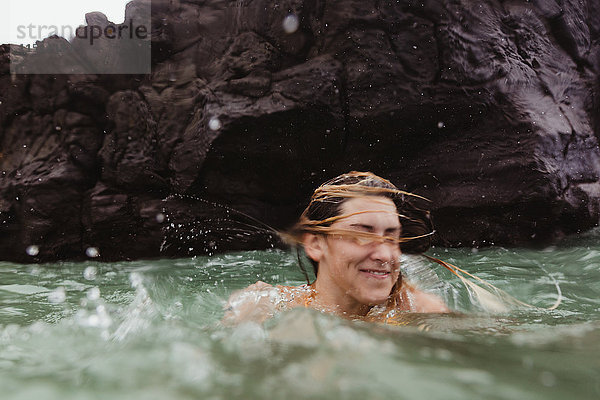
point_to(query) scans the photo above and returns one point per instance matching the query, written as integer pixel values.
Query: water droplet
(160, 218)
(93, 294)
(290, 23)
(90, 272)
(548, 379)
(57, 296)
(58, 128)
(32, 250)
(214, 124)
(93, 320)
(440, 124)
(527, 362)
(92, 252)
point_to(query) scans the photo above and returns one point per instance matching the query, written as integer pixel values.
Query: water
(150, 329)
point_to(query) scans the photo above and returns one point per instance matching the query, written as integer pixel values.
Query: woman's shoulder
(415, 300)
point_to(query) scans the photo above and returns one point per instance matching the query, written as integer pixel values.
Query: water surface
(150, 329)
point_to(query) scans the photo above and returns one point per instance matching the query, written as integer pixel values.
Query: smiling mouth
(376, 273)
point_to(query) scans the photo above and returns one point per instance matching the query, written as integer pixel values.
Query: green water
(150, 330)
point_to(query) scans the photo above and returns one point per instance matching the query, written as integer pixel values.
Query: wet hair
(325, 207)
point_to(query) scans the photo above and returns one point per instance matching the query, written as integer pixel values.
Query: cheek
(343, 250)
(344, 261)
(396, 267)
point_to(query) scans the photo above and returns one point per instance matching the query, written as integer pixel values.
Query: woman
(352, 231)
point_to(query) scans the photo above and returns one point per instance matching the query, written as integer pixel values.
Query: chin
(373, 299)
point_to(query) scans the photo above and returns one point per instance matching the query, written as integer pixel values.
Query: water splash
(139, 313)
(205, 228)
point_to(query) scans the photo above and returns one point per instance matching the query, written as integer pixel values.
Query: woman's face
(361, 269)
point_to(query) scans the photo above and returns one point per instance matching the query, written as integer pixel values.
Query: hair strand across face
(325, 208)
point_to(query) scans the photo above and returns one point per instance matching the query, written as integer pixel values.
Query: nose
(384, 251)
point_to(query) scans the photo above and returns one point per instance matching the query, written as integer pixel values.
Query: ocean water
(151, 330)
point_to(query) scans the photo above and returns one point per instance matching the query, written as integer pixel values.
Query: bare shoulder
(255, 303)
(416, 300)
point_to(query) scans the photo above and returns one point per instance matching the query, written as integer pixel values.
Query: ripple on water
(24, 289)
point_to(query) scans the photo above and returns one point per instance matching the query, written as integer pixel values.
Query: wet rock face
(490, 109)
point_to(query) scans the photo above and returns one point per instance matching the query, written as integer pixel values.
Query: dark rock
(127, 155)
(490, 109)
